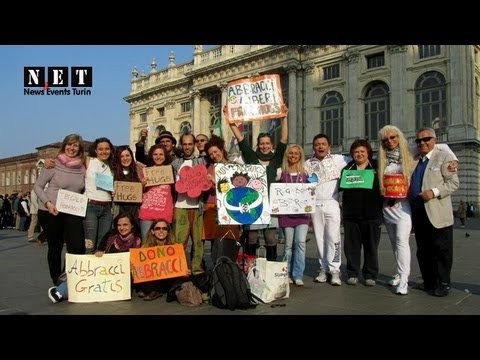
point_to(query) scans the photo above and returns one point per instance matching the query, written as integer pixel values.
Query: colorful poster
(242, 194)
(256, 98)
(193, 181)
(158, 262)
(98, 279)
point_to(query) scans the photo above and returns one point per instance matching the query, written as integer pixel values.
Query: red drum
(395, 186)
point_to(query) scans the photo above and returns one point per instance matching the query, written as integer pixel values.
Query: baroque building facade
(344, 91)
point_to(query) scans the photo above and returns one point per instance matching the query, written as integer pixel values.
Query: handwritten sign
(193, 181)
(128, 191)
(242, 194)
(292, 198)
(92, 279)
(158, 262)
(157, 175)
(72, 203)
(256, 98)
(103, 181)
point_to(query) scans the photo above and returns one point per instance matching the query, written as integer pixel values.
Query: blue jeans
(63, 289)
(97, 222)
(295, 242)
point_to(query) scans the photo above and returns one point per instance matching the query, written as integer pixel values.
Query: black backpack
(229, 288)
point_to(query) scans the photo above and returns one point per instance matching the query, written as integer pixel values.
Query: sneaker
(395, 280)
(335, 280)
(402, 288)
(352, 281)
(299, 282)
(290, 280)
(322, 277)
(370, 282)
(54, 295)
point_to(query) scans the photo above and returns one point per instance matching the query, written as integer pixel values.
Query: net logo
(57, 80)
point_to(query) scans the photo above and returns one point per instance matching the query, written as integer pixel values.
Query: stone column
(399, 115)
(292, 101)
(223, 88)
(305, 130)
(352, 126)
(196, 123)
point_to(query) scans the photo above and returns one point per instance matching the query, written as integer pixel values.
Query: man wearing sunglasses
(429, 195)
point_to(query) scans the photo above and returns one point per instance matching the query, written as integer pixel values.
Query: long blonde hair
(301, 162)
(406, 158)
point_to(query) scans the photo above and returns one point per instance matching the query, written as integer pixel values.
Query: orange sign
(158, 262)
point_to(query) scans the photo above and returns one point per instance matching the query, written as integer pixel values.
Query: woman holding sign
(98, 188)
(362, 213)
(124, 236)
(159, 234)
(68, 174)
(272, 160)
(157, 200)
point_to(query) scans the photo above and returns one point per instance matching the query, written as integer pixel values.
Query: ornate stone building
(344, 91)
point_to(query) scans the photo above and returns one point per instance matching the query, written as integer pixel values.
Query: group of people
(166, 215)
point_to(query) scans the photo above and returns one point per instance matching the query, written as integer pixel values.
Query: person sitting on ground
(125, 235)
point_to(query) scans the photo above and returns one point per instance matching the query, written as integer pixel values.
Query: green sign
(357, 179)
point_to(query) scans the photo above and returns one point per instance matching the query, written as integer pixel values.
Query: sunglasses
(424, 139)
(164, 228)
(393, 137)
(200, 140)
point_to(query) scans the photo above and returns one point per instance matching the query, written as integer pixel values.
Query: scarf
(265, 157)
(73, 163)
(122, 244)
(393, 156)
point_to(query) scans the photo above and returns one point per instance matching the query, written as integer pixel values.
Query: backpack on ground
(229, 288)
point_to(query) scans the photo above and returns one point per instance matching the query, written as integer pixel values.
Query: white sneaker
(299, 282)
(290, 280)
(322, 277)
(402, 288)
(335, 280)
(352, 280)
(395, 280)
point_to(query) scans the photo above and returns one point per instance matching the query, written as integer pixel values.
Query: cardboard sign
(157, 175)
(292, 198)
(158, 262)
(256, 98)
(98, 279)
(128, 191)
(72, 203)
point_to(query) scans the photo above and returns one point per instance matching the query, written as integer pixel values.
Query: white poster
(292, 198)
(98, 279)
(72, 203)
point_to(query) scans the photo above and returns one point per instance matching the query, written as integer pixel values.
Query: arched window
(331, 116)
(430, 102)
(185, 128)
(377, 108)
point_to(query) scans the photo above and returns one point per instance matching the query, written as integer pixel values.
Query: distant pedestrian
(462, 212)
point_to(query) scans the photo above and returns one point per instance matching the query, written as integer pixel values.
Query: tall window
(26, 177)
(425, 51)
(161, 111)
(431, 102)
(159, 129)
(377, 108)
(33, 176)
(331, 116)
(7, 179)
(143, 117)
